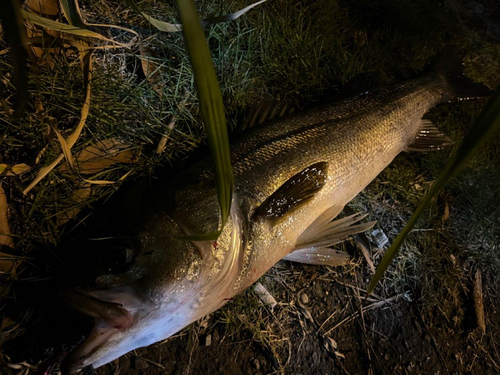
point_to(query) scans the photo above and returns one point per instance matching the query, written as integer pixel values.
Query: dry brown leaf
(79, 196)
(48, 9)
(446, 214)
(8, 263)
(66, 149)
(478, 301)
(13, 170)
(99, 156)
(5, 237)
(87, 63)
(152, 70)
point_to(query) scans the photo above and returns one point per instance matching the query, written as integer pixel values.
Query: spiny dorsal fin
(319, 256)
(333, 232)
(429, 138)
(297, 191)
(267, 110)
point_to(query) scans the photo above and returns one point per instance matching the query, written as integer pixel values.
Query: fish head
(173, 282)
(155, 298)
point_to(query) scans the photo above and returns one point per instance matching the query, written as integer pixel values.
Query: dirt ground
(333, 333)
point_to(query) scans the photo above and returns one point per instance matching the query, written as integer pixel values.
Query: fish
(293, 176)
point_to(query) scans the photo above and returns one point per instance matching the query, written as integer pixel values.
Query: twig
(365, 308)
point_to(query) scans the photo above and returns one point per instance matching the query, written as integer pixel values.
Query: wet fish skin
(175, 282)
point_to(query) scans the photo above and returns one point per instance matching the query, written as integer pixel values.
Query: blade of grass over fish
(15, 36)
(175, 27)
(69, 29)
(87, 72)
(485, 126)
(211, 103)
(71, 11)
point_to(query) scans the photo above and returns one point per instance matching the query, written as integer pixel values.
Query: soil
(391, 338)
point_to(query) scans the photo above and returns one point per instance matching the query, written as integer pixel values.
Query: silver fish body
(336, 150)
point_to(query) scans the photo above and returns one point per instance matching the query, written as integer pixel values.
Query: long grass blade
(71, 11)
(66, 149)
(68, 29)
(15, 36)
(211, 103)
(487, 123)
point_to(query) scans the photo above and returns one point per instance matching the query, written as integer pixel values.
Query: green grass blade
(210, 102)
(15, 36)
(71, 11)
(487, 123)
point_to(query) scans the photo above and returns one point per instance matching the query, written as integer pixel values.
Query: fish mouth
(81, 356)
(110, 319)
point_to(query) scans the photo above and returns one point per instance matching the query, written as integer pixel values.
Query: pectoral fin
(294, 193)
(429, 138)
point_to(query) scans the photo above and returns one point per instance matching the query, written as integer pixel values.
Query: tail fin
(450, 67)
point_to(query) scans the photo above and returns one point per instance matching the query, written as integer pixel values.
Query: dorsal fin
(429, 138)
(297, 191)
(268, 109)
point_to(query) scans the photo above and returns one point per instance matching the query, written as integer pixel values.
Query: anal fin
(429, 138)
(319, 256)
(333, 232)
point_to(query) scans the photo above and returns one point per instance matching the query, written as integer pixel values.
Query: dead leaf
(163, 141)
(5, 237)
(83, 192)
(71, 140)
(48, 9)
(446, 214)
(152, 70)
(478, 301)
(13, 170)
(8, 262)
(101, 155)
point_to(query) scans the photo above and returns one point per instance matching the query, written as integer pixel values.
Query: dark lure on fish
(293, 176)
